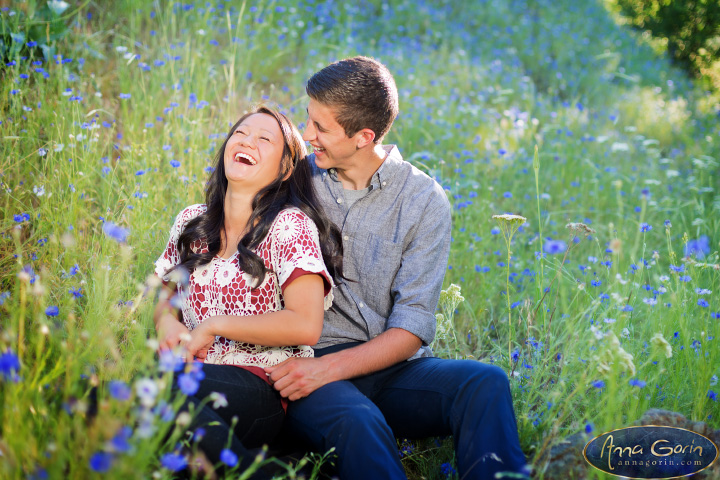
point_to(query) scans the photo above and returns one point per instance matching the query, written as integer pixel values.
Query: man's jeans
(421, 398)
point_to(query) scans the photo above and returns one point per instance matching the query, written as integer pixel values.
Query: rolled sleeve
(417, 284)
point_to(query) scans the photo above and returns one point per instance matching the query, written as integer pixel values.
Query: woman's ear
(364, 138)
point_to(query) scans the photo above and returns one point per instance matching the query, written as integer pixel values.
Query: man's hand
(296, 378)
(170, 331)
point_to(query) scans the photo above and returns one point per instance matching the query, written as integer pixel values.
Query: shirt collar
(383, 175)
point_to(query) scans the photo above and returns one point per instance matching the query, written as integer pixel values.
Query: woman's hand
(201, 339)
(170, 331)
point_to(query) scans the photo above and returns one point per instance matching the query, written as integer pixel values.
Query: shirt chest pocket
(378, 264)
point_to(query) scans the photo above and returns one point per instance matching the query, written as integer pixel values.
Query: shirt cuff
(417, 321)
(299, 272)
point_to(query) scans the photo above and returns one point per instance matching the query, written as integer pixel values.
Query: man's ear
(364, 137)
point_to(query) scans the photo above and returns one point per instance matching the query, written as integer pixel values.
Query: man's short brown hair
(362, 92)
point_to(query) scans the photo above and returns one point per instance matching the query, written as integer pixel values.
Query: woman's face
(253, 153)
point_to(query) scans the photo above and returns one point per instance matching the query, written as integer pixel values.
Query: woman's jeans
(254, 403)
(426, 397)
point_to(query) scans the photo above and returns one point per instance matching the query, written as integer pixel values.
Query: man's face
(333, 148)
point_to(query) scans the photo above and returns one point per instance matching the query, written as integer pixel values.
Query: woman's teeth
(245, 156)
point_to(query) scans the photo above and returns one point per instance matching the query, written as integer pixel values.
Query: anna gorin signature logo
(651, 451)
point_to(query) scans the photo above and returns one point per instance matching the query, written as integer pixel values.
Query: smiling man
(374, 377)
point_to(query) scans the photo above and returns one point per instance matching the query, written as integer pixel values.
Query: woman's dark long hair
(295, 190)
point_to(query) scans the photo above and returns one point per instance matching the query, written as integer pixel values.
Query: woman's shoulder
(188, 213)
(291, 220)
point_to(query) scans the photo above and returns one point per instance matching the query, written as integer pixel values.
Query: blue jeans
(421, 398)
(255, 405)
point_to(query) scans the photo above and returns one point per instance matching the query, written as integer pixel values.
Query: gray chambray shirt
(396, 242)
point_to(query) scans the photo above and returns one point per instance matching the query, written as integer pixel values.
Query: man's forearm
(390, 347)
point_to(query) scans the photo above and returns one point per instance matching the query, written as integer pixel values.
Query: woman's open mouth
(245, 158)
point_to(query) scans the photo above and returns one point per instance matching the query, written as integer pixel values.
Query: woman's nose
(248, 141)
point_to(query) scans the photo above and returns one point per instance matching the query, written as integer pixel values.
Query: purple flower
(116, 232)
(699, 247)
(188, 384)
(119, 390)
(173, 462)
(9, 366)
(121, 441)
(101, 462)
(52, 311)
(228, 458)
(554, 247)
(170, 361)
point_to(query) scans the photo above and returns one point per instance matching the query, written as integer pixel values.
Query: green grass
(624, 139)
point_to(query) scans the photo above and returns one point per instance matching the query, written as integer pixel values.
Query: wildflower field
(111, 113)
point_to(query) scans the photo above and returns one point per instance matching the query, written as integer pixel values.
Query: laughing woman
(254, 258)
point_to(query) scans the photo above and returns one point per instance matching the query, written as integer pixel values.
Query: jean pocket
(263, 430)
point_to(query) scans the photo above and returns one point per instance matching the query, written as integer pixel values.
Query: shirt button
(361, 305)
(346, 237)
(384, 183)
(339, 200)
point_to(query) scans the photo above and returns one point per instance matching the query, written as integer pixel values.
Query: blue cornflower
(188, 384)
(173, 462)
(679, 269)
(627, 308)
(644, 227)
(101, 462)
(554, 246)
(636, 383)
(507, 195)
(42, 152)
(447, 470)
(515, 355)
(9, 366)
(703, 303)
(52, 311)
(598, 384)
(174, 163)
(124, 96)
(228, 457)
(76, 292)
(209, 169)
(121, 441)
(116, 232)
(119, 390)
(668, 224)
(715, 315)
(495, 231)
(712, 395)
(699, 247)
(588, 427)
(4, 296)
(74, 269)
(596, 283)
(31, 44)
(685, 278)
(170, 361)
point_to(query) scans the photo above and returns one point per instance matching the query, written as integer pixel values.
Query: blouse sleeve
(171, 256)
(296, 246)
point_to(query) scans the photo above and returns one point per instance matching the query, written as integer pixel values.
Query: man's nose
(309, 133)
